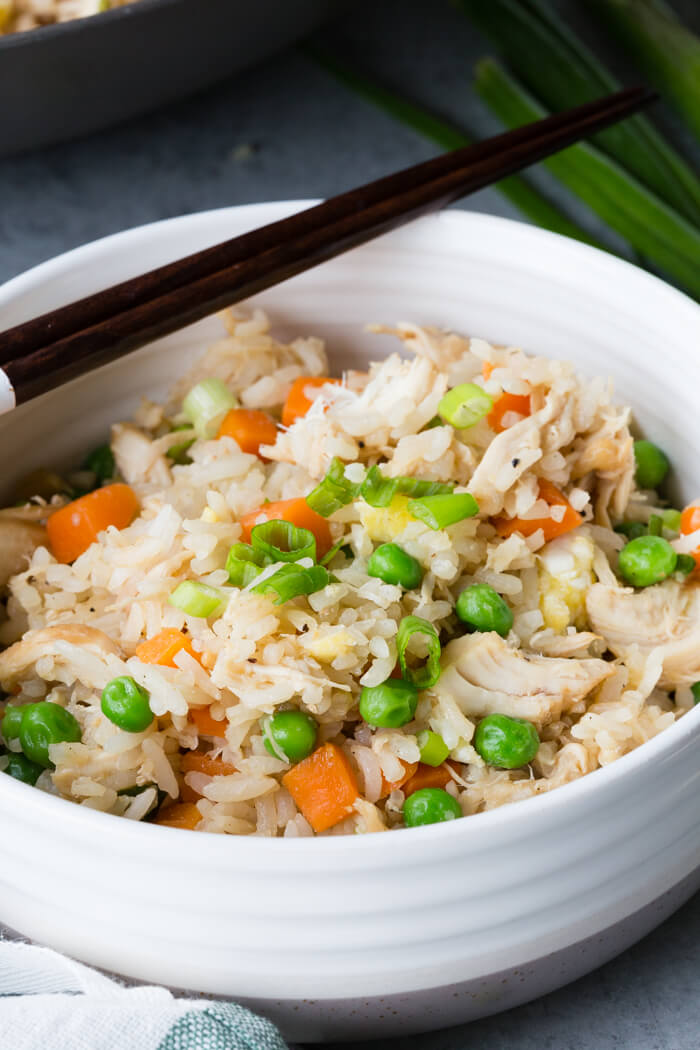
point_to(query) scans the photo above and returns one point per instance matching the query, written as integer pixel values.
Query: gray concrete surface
(289, 131)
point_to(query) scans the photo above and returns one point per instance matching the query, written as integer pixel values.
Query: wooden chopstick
(55, 347)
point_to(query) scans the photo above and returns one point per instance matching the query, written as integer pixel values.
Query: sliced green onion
(195, 599)
(654, 525)
(437, 512)
(465, 405)
(652, 227)
(334, 492)
(178, 452)
(379, 491)
(206, 405)
(282, 541)
(243, 564)
(671, 520)
(685, 564)
(291, 581)
(433, 749)
(630, 529)
(695, 690)
(427, 675)
(339, 546)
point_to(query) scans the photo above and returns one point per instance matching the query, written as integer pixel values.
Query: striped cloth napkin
(48, 1000)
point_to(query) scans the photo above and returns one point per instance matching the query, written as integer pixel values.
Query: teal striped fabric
(49, 1001)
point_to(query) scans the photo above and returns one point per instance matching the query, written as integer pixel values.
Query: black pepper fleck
(514, 462)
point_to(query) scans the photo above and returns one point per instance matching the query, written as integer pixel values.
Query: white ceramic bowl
(425, 928)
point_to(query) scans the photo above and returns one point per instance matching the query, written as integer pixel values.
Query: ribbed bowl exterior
(374, 917)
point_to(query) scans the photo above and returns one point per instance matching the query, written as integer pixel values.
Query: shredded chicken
(19, 538)
(485, 676)
(70, 652)
(666, 616)
(138, 458)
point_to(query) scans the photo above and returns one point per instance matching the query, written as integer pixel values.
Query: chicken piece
(71, 652)
(485, 676)
(19, 538)
(138, 458)
(665, 616)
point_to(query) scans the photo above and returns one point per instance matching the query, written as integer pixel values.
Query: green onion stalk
(651, 226)
(548, 57)
(666, 50)
(528, 200)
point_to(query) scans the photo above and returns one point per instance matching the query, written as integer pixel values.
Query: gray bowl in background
(66, 80)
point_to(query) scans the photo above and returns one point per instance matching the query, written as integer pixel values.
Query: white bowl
(350, 937)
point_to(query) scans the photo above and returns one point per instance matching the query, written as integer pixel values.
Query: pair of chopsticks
(57, 346)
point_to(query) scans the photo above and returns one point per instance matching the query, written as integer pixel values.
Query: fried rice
(595, 666)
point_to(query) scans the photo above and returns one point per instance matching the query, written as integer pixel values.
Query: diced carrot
(297, 403)
(187, 794)
(201, 762)
(162, 648)
(201, 716)
(323, 787)
(690, 522)
(506, 403)
(181, 815)
(74, 527)
(409, 770)
(249, 428)
(296, 511)
(428, 777)
(551, 528)
(487, 368)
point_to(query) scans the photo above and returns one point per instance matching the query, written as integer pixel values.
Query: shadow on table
(645, 999)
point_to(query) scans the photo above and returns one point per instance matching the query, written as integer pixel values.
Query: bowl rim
(593, 783)
(56, 30)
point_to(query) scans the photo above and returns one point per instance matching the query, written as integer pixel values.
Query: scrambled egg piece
(565, 568)
(383, 524)
(209, 515)
(326, 645)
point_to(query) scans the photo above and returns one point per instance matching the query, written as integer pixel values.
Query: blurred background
(350, 92)
(376, 86)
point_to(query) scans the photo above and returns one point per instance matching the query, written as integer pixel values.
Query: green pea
(483, 609)
(101, 462)
(695, 690)
(430, 806)
(507, 743)
(22, 768)
(293, 733)
(12, 720)
(125, 703)
(392, 564)
(647, 560)
(652, 465)
(44, 724)
(389, 705)
(433, 749)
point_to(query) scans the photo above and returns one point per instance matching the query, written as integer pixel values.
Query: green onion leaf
(427, 675)
(196, 599)
(437, 512)
(334, 492)
(206, 405)
(282, 541)
(290, 581)
(631, 529)
(685, 564)
(101, 462)
(433, 749)
(651, 226)
(379, 491)
(243, 564)
(695, 690)
(465, 405)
